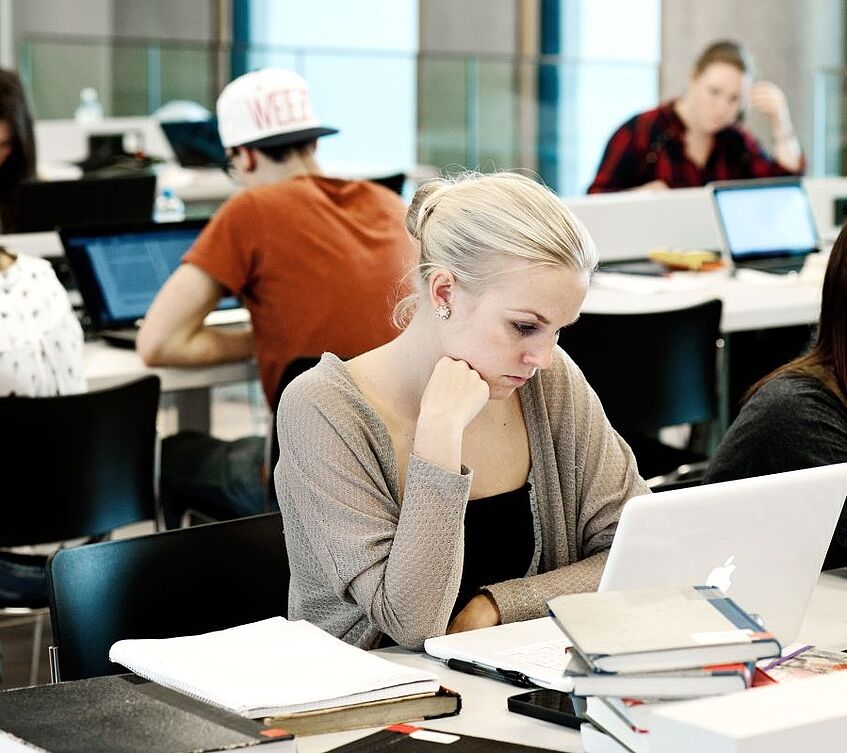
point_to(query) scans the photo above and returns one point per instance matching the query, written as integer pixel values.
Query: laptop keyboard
(550, 655)
(778, 265)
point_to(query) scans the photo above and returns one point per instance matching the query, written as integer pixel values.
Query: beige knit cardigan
(366, 560)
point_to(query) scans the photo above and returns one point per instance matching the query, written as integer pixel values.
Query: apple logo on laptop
(721, 577)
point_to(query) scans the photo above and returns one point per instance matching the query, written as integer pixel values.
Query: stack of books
(633, 651)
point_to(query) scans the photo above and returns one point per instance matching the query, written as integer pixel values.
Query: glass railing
(551, 115)
(828, 154)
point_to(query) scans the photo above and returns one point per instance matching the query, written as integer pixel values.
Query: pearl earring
(443, 312)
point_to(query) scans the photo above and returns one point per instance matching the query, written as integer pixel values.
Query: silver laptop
(763, 540)
(766, 225)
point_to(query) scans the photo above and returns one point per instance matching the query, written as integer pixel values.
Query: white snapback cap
(270, 107)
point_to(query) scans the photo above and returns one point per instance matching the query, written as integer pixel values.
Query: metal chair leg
(36, 649)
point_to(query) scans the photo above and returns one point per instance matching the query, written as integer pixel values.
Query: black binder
(126, 714)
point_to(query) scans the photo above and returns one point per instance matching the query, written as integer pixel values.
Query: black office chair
(180, 582)
(652, 370)
(291, 371)
(78, 466)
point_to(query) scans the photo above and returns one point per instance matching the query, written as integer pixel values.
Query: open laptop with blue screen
(119, 268)
(766, 224)
(763, 540)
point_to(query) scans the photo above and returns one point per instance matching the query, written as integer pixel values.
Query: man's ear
(251, 160)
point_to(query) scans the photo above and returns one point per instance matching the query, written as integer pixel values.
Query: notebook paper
(270, 667)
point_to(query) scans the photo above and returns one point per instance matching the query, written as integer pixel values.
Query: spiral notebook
(271, 667)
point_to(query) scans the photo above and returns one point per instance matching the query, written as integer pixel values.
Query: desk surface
(106, 366)
(484, 711)
(749, 304)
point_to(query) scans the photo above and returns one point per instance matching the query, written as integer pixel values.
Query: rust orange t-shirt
(319, 262)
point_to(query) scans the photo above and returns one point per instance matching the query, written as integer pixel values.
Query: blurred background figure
(17, 148)
(698, 137)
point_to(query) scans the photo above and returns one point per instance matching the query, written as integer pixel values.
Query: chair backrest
(650, 369)
(181, 582)
(79, 465)
(294, 369)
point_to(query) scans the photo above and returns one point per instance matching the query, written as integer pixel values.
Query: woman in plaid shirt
(697, 138)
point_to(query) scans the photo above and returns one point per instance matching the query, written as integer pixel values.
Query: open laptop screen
(763, 219)
(119, 269)
(196, 143)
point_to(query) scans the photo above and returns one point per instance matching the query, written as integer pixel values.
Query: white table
(763, 303)
(484, 711)
(747, 306)
(107, 366)
(825, 624)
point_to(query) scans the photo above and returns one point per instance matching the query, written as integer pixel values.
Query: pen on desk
(511, 676)
(781, 659)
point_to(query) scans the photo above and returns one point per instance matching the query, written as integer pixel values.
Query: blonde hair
(471, 223)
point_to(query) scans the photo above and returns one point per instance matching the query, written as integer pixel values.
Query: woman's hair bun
(423, 202)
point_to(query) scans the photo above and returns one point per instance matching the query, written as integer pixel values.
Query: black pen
(513, 677)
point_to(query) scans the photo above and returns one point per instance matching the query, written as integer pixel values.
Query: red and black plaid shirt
(650, 146)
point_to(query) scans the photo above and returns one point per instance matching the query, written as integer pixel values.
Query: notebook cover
(404, 737)
(126, 714)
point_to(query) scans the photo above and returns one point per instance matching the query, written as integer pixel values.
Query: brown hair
(827, 360)
(20, 164)
(282, 152)
(729, 52)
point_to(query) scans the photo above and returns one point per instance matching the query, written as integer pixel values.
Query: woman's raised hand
(768, 99)
(453, 397)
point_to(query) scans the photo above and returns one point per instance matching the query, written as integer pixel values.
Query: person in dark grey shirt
(796, 416)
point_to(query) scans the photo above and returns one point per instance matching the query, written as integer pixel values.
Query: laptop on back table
(196, 143)
(766, 225)
(763, 540)
(119, 268)
(48, 204)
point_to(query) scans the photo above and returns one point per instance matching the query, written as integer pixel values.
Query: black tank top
(499, 542)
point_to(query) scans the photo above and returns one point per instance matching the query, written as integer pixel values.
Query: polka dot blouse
(40, 337)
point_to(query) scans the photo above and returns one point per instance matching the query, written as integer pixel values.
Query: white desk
(825, 624)
(107, 366)
(747, 305)
(484, 711)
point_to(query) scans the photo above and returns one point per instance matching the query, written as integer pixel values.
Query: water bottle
(168, 207)
(89, 109)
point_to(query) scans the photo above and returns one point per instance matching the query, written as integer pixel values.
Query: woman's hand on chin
(453, 397)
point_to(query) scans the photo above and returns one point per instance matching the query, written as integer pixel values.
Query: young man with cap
(318, 262)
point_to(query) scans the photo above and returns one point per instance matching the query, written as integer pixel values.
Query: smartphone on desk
(549, 705)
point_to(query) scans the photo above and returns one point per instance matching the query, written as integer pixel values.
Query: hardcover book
(400, 738)
(659, 629)
(412, 708)
(669, 684)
